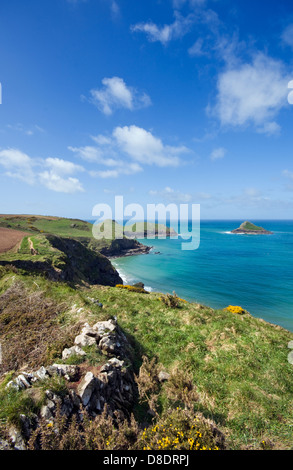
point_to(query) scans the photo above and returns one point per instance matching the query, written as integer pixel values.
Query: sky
(158, 101)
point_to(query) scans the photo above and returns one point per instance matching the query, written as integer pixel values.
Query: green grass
(250, 226)
(57, 226)
(237, 363)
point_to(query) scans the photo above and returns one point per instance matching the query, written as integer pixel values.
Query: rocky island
(248, 228)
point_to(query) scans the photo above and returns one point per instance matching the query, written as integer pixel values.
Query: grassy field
(54, 225)
(234, 367)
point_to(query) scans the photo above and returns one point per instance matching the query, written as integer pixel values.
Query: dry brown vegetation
(29, 330)
(10, 238)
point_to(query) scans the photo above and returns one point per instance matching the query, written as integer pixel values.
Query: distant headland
(248, 228)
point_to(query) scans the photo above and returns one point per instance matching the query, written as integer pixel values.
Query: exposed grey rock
(74, 350)
(12, 384)
(63, 370)
(290, 345)
(103, 327)
(88, 331)
(17, 439)
(290, 357)
(41, 373)
(163, 376)
(108, 344)
(86, 388)
(112, 363)
(84, 340)
(46, 412)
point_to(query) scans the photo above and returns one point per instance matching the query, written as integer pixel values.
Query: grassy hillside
(60, 258)
(55, 225)
(232, 368)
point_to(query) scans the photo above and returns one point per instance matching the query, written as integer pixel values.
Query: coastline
(200, 281)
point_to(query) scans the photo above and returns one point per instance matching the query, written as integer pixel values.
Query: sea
(251, 271)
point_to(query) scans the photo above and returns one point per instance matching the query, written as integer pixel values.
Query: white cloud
(17, 165)
(168, 32)
(143, 147)
(116, 94)
(218, 154)
(57, 183)
(197, 49)
(62, 167)
(171, 195)
(123, 169)
(252, 93)
(127, 150)
(57, 179)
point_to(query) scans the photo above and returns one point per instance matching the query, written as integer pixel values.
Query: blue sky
(182, 101)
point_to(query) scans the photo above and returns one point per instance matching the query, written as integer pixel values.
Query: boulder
(86, 388)
(84, 340)
(74, 350)
(70, 373)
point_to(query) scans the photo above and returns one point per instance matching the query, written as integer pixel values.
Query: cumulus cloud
(252, 93)
(57, 176)
(127, 150)
(57, 183)
(167, 32)
(53, 173)
(116, 94)
(17, 165)
(144, 147)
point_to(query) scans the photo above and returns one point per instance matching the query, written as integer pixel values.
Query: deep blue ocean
(252, 271)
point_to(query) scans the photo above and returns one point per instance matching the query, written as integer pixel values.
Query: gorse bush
(236, 309)
(181, 429)
(139, 290)
(175, 430)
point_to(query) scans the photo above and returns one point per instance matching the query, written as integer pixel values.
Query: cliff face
(125, 247)
(85, 264)
(69, 260)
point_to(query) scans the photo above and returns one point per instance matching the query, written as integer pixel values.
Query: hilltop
(250, 229)
(73, 336)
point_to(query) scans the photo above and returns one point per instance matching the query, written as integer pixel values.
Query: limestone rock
(84, 340)
(74, 350)
(70, 373)
(86, 388)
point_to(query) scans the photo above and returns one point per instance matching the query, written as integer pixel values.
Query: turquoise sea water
(253, 271)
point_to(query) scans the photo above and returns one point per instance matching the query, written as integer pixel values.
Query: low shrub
(139, 290)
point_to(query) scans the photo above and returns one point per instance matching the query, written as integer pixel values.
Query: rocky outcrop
(247, 228)
(125, 247)
(88, 387)
(81, 263)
